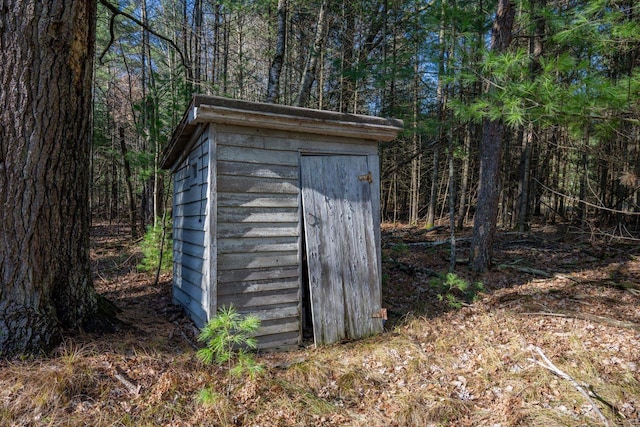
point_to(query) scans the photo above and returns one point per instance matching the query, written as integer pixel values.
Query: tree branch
(548, 364)
(577, 199)
(115, 12)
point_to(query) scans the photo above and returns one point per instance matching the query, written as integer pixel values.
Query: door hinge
(382, 314)
(367, 177)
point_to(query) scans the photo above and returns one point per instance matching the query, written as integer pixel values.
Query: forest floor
(551, 338)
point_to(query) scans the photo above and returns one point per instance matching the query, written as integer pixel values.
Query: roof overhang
(213, 109)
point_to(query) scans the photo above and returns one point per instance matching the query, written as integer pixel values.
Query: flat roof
(214, 109)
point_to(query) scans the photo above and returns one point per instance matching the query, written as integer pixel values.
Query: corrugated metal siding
(190, 210)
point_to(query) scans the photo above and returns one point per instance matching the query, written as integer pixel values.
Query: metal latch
(382, 314)
(366, 177)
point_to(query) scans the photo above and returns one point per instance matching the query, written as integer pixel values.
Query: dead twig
(548, 364)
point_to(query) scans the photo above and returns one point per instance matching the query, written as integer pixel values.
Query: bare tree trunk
(440, 101)
(433, 194)
(523, 185)
(309, 73)
(197, 43)
(347, 83)
(416, 162)
(241, 59)
(127, 176)
(452, 206)
(464, 179)
(584, 180)
(529, 139)
(273, 88)
(46, 52)
(113, 203)
(484, 224)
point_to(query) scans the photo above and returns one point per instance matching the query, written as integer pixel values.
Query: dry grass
(468, 367)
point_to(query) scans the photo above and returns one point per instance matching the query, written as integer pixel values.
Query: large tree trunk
(46, 52)
(484, 224)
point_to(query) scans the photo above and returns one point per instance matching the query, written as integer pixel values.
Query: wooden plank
(257, 200)
(191, 194)
(309, 121)
(247, 184)
(195, 223)
(362, 291)
(192, 250)
(257, 244)
(240, 139)
(275, 273)
(185, 295)
(181, 296)
(195, 208)
(191, 280)
(211, 242)
(258, 286)
(344, 146)
(257, 155)
(258, 170)
(226, 230)
(192, 236)
(279, 341)
(256, 260)
(274, 312)
(258, 299)
(327, 294)
(261, 215)
(374, 167)
(309, 139)
(292, 325)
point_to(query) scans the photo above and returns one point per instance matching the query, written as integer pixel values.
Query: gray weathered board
(341, 247)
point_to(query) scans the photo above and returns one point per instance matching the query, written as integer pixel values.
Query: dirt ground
(550, 337)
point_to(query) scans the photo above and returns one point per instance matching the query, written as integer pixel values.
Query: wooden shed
(276, 211)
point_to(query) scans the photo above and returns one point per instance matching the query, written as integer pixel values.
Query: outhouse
(276, 211)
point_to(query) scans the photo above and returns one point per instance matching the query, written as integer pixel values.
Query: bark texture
(484, 224)
(46, 56)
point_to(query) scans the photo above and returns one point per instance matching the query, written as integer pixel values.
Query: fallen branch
(133, 389)
(438, 242)
(525, 270)
(186, 338)
(586, 316)
(548, 364)
(412, 269)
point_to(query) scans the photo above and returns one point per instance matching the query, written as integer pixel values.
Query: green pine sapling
(229, 337)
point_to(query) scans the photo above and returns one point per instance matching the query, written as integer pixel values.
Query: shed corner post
(374, 165)
(211, 226)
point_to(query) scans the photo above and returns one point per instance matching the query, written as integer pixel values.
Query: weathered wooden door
(342, 253)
